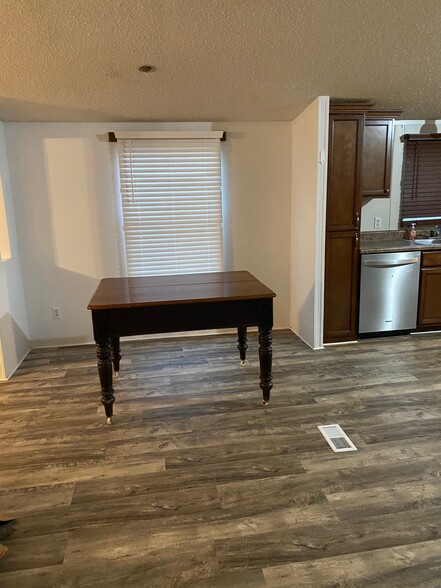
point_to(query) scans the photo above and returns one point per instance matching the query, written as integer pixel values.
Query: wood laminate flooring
(197, 484)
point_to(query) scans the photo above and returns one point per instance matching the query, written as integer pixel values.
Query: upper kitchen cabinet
(377, 153)
(344, 167)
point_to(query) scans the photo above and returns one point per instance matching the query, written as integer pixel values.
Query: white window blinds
(172, 205)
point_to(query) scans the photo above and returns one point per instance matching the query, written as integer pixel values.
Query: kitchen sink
(434, 241)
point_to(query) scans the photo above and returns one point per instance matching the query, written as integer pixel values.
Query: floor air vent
(336, 438)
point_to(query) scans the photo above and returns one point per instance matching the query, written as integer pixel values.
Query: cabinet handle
(356, 241)
(357, 220)
(391, 263)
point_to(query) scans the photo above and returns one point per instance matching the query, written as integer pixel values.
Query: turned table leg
(242, 343)
(105, 374)
(265, 359)
(115, 352)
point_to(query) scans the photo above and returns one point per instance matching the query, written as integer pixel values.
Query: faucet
(437, 231)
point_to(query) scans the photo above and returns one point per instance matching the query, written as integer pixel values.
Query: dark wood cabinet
(343, 226)
(429, 305)
(377, 153)
(341, 286)
(344, 177)
(359, 164)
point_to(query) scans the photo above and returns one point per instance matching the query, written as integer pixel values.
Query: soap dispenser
(413, 233)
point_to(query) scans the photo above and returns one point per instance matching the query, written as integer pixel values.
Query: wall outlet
(56, 312)
(377, 222)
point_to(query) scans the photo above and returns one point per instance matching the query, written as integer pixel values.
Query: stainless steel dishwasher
(389, 291)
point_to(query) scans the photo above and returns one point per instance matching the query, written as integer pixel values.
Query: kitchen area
(383, 225)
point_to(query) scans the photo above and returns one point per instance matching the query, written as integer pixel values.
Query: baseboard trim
(305, 342)
(17, 366)
(209, 332)
(339, 343)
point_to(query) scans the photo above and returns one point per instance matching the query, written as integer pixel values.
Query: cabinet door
(377, 150)
(344, 172)
(429, 308)
(342, 227)
(341, 287)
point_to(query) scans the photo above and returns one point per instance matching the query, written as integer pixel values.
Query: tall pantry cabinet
(358, 165)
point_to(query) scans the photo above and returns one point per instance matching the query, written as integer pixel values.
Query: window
(421, 180)
(172, 205)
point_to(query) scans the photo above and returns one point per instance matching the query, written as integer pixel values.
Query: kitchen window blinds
(172, 205)
(421, 179)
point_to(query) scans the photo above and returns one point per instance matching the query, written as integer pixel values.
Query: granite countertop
(386, 246)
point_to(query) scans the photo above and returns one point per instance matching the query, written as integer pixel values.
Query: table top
(177, 289)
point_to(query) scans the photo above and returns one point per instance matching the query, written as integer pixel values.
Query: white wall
(257, 187)
(61, 180)
(309, 147)
(388, 209)
(14, 333)
(376, 208)
(63, 187)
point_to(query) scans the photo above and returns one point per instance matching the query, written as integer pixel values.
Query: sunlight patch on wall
(2, 364)
(72, 200)
(5, 247)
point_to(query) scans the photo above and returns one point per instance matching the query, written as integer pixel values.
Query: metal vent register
(336, 438)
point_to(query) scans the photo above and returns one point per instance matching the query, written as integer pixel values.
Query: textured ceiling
(216, 60)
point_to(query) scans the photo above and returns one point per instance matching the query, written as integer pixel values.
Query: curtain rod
(421, 137)
(121, 135)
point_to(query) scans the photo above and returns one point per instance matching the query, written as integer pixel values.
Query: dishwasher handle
(390, 262)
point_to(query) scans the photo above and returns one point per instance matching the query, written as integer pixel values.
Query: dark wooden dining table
(183, 302)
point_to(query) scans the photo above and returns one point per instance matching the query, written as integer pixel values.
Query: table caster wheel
(116, 375)
(242, 362)
(109, 420)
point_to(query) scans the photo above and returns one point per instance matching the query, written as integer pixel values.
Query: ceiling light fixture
(146, 68)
